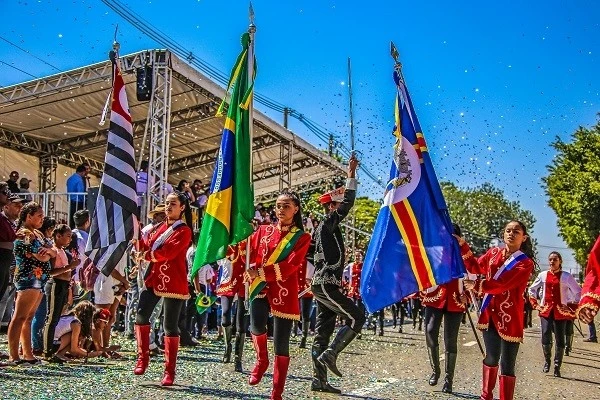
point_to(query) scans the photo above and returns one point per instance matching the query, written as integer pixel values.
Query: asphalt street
(393, 366)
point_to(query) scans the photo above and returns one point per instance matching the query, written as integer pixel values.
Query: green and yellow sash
(281, 252)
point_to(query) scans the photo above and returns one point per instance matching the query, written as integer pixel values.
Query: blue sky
(493, 84)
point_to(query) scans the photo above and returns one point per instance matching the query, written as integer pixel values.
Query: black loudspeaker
(144, 83)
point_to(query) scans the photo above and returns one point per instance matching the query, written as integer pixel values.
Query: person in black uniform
(329, 254)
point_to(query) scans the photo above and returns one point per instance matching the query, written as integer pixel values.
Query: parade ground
(393, 366)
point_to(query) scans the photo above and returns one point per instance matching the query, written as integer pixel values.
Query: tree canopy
(365, 214)
(482, 212)
(573, 189)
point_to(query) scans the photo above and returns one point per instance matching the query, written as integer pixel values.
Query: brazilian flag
(230, 207)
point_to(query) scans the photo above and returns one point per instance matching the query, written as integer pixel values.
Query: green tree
(573, 189)
(365, 214)
(482, 212)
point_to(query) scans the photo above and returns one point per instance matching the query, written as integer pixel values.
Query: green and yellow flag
(230, 207)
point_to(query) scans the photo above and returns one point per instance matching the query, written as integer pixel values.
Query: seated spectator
(24, 189)
(99, 323)
(13, 186)
(71, 330)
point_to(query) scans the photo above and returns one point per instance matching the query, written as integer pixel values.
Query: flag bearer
(507, 272)
(165, 247)
(276, 252)
(327, 285)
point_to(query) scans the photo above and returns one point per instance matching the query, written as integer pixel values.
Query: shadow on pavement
(204, 392)
(569, 378)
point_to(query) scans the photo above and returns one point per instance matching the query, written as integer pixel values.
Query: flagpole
(251, 32)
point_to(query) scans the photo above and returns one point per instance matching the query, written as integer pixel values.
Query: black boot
(558, 357)
(450, 364)
(239, 350)
(547, 349)
(302, 344)
(319, 382)
(569, 344)
(329, 357)
(227, 334)
(434, 361)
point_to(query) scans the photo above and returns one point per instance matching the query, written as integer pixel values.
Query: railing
(57, 205)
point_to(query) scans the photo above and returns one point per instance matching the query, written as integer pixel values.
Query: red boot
(489, 381)
(142, 336)
(262, 359)
(280, 369)
(507, 387)
(171, 349)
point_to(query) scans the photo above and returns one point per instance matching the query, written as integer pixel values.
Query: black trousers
(282, 328)
(226, 310)
(227, 307)
(433, 321)
(331, 302)
(6, 259)
(57, 294)
(305, 309)
(550, 326)
(499, 351)
(171, 311)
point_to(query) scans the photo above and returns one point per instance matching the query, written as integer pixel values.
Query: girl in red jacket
(506, 273)
(165, 247)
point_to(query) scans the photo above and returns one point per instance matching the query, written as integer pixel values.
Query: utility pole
(286, 112)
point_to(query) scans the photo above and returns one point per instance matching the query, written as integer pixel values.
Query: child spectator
(57, 287)
(70, 331)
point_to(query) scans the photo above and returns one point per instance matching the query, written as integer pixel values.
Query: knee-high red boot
(490, 374)
(171, 349)
(142, 336)
(262, 359)
(507, 387)
(280, 369)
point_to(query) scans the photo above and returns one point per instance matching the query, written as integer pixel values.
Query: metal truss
(209, 157)
(316, 185)
(286, 157)
(97, 139)
(69, 80)
(37, 148)
(159, 125)
(48, 165)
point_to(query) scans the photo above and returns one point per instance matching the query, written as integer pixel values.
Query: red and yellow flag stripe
(411, 234)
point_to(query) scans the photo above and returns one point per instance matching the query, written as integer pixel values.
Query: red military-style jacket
(590, 293)
(506, 307)
(559, 295)
(168, 264)
(444, 297)
(303, 281)
(233, 283)
(354, 284)
(282, 277)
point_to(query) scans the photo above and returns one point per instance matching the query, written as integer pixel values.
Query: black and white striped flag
(115, 219)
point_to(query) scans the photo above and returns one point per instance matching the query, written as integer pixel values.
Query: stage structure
(175, 128)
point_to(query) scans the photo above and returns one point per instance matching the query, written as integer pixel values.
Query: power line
(144, 26)
(28, 52)
(19, 69)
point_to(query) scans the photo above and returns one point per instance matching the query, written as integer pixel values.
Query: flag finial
(251, 16)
